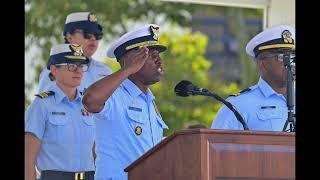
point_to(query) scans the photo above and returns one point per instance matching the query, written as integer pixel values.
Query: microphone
(289, 64)
(185, 88)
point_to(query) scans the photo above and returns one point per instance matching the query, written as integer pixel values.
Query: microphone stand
(205, 92)
(290, 96)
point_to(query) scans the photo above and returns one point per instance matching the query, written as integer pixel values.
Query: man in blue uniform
(59, 133)
(264, 105)
(128, 122)
(82, 28)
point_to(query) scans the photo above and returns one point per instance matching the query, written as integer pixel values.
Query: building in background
(223, 46)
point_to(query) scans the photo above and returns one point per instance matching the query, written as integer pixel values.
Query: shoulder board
(238, 93)
(45, 94)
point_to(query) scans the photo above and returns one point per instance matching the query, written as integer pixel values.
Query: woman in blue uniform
(59, 133)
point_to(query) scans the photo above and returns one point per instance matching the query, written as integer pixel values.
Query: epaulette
(238, 93)
(45, 94)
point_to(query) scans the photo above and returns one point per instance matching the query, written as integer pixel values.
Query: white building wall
(281, 12)
(275, 11)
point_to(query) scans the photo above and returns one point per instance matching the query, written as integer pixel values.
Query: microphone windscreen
(181, 88)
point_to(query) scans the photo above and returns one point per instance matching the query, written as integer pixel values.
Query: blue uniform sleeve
(106, 112)
(226, 119)
(44, 81)
(35, 118)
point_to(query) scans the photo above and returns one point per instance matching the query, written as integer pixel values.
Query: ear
(69, 37)
(260, 63)
(263, 67)
(53, 69)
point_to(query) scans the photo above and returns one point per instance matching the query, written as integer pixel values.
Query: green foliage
(185, 59)
(113, 64)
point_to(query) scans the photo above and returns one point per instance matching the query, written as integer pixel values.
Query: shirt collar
(150, 95)
(134, 91)
(265, 88)
(59, 94)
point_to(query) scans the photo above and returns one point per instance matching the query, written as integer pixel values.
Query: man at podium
(128, 122)
(264, 105)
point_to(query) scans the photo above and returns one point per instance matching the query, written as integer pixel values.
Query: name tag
(58, 113)
(135, 109)
(268, 107)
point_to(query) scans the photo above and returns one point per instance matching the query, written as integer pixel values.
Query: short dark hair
(65, 37)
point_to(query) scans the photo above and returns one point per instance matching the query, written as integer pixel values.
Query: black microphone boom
(186, 88)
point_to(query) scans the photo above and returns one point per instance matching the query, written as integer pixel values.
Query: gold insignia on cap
(287, 36)
(155, 32)
(138, 130)
(92, 17)
(77, 49)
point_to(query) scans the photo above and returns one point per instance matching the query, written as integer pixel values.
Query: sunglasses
(89, 35)
(73, 67)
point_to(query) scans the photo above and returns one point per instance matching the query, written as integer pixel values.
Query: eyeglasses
(89, 35)
(279, 56)
(73, 67)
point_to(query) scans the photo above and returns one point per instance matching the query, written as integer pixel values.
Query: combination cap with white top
(281, 36)
(66, 53)
(82, 20)
(147, 35)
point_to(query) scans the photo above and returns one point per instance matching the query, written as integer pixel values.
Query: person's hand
(135, 59)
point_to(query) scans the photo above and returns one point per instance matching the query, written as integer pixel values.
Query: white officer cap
(66, 53)
(82, 20)
(281, 36)
(147, 35)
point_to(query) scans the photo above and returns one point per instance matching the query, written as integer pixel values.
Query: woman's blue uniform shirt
(66, 133)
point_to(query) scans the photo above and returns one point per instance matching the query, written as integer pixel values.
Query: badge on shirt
(138, 130)
(85, 112)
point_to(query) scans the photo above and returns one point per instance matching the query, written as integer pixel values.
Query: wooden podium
(206, 154)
